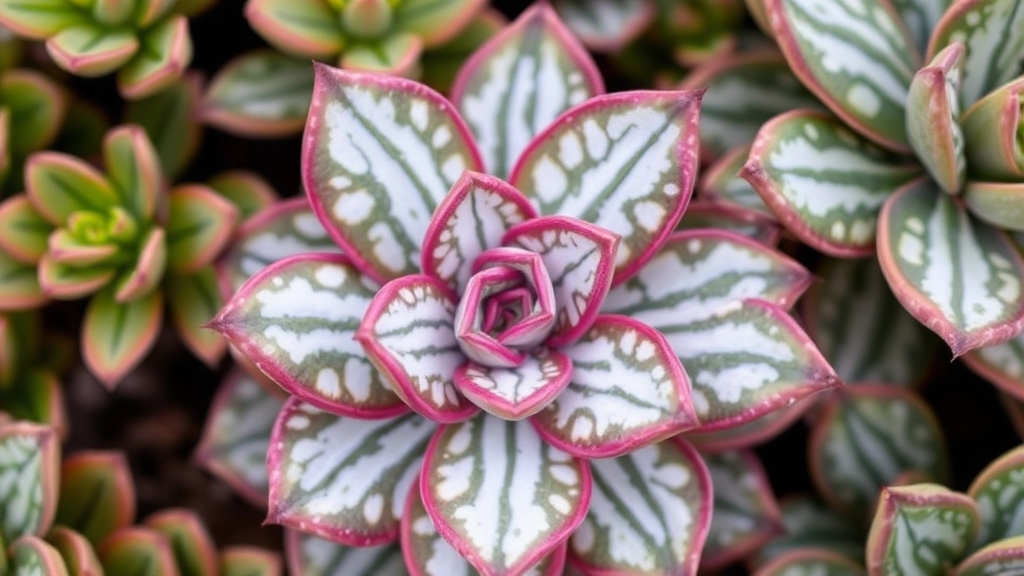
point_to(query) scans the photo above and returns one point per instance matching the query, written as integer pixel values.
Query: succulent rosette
(510, 302)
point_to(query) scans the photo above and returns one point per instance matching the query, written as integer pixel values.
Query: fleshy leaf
(867, 438)
(625, 162)
(139, 552)
(134, 170)
(356, 183)
(502, 108)
(87, 49)
(32, 555)
(1002, 557)
(1002, 364)
(193, 301)
(65, 282)
(997, 203)
(812, 561)
(857, 58)
(147, 272)
(861, 328)
(97, 495)
(310, 555)
(36, 396)
(303, 28)
(76, 551)
(747, 434)
(38, 19)
(825, 183)
(518, 392)
(811, 525)
(19, 285)
(991, 142)
(956, 275)
(436, 24)
(720, 183)
(249, 561)
(236, 437)
(260, 94)
(25, 233)
(165, 51)
(649, 513)
(933, 113)
(194, 550)
(59, 185)
(920, 18)
(920, 529)
(117, 335)
(745, 512)
(171, 120)
(393, 55)
(501, 496)
(627, 390)
(606, 25)
(343, 478)
(407, 333)
(30, 467)
(248, 191)
(36, 105)
(755, 225)
(999, 496)
(200, 223)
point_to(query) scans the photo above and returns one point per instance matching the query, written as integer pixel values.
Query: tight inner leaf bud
(367, 18)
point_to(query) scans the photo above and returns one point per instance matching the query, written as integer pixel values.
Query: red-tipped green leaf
(997, 203)
(36, 106)
(378, 203)
(503, 110)
(200, 223)
(625, 162)
(743, 221)
(165, 50)
(991, 143)
(38, 19)
(87, 49)
(721, 183)
(1002, 557)
(171, 120)
(24, 234)
(606, 25)
(134, 169)
(343, 478)
(999, 495)
(310, 555)
(64, 248)
(116, 336)
(32, 555)
(518, 392)
(97, 495)
(19, 285)
(303, 28)
(30, 469)
(194, 549)
(933, 114)
(148, 270)
(65, 282)
(139, 552)
(812, 561)
(240, 560)
(499, 495)
(59, 185)
(193, 301)
(76, 551)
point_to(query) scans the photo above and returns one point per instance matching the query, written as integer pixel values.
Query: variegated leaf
(31, 555)
(997, 203)
(199, 225)
(579, 257)
(343, 478)
(920, 529)
(116, 336)
(809, 562)
(956, 275)
(920, 18)
(1002, 557)
(720, 182)
(825, 183)
(990, 125)
(748, 434)
(97, 495)
(194, 550)
(296, 320)
(744, 91)
(78, 554)
(625, 162)
(868, 437)
(19, 285)
(428, 554)
(37, 107)
(519, 82)
(236, 437)
(471, 219)
(606, 25)
(171, 120)
(243, 560)
(1000, 497)
(249, 192)
(809, 524)
(861, 328)
(724, 217)
(993, 33)
(138, 551)
(499, 495)
(745, 513)
(39, 19)
(518, 392)
(30, 469)
(649, 513)
(133, 167)
(627, 390)
(408, 334)
(194, 300)
(379, 203)
(26, 234)
(88, 49)
(933, 118)
(856, 57)
(1002, 364)
(165, 51)
(302, 28)
(310, 555)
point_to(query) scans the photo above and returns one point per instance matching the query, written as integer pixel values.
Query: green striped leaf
(499, 495)
(649, 513)
(194, 550)
(825, 183)
(87, 49)
(920, 529)
(920, 18)
(36, 105)
(116, 336)
(956, 275)
(867, 438)
(236, 437)
(745, 513)
(856, 57)
(343, 478)
(744, 91)
(519, 82)
(310, 555)
(259, 94)
(200, 223)
(165, 52)
(809, 524)
(1002, 364)
(990, 125)
(296, 320)
(625, 162)
(396, 54)
(997, 203)
(721, 182)
(59, 184)
(244, 560)
(862, 329)
(933, 118)
(78, 554)
(138, 551)
(816, 562)
(171, 120)
(1002, 557)
(993, 33)
(754, 225)
(97, 495)
(354, 181)
(302, 28)
(435, 23)
(30, 468)
(32, 555)
(134, 169)
(19, 285)
(38, 19)
(999, 495)
(606, 25)
(193, 301)
(627, 390)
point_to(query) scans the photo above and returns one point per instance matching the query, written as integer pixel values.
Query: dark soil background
(157, 413)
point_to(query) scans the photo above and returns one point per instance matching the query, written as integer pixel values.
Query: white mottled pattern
(241, 430)
(21, 487)
(738, 504)
(516, 384)
(1006, 357)
(994, 41)
(933, 530)
(323, 557)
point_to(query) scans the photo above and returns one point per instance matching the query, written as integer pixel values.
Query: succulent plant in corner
(510, 320)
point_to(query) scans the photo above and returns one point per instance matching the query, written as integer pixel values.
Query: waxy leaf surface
(1000, 496)
(745, 512)
(29, 466)
(310, 555)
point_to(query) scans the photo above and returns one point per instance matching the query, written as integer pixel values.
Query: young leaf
(194, 551)
(199, 224)
(999, 496)
(139, 552)
(29, 466)
(134, 170)
(997, 203)
(171, 120)
(721, 183)
(933, 118)
(517, 392)
(310, 555)
(148, 270)
(87, 49)
(116, 335)
(59, 184)
(67, 282)
(397, 54)
(97, 495)
(606, 25)
(165, 51)
(812, 561)
(990, 125)
(193, 301)
(249, 561)
(32, 555)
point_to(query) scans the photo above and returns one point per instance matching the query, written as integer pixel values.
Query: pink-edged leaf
(240, 560)
(65, 282)
(138, 551)
(435, 24)
(38, 19)
(471, 219)
(649, 514)
(866, 438)
(37, 396)
(33, 555)
(820, 562)
(116, 336)
(857, 58)
(236, 436)
(25, 234)
(59, 185)
(408, 334)
(377, 204)
(296, 320)
(37, 106)
(247, 190)
(993, 33)
(1002, 557)
(920, 18)
(76, 551)
(165, 52)
(518, 392)
(956, 275)
(97, 495)
(65, 249)
(199, 224)
(428, 554)
(193, 301)
(627, 390)
(503, 110)
(134, 169)
(343, 478)
(933, 114)
(625, 162)
(606, 25)
(824, 183)
(997, 203)
(396, 54)
(88, 49)
(720, 182)
(499, 495)
(310, 555)
(753, 224)
(990, 127)
(862, 330)
(750, 433)
(194, 550)
(1002, 365)
(579, 258)
(809, 524)
(920, 529)
(745, 514)
(30, 467)
(19, 285)
(303, 28)
(171, 121)
(150, 264)
(999, 495)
